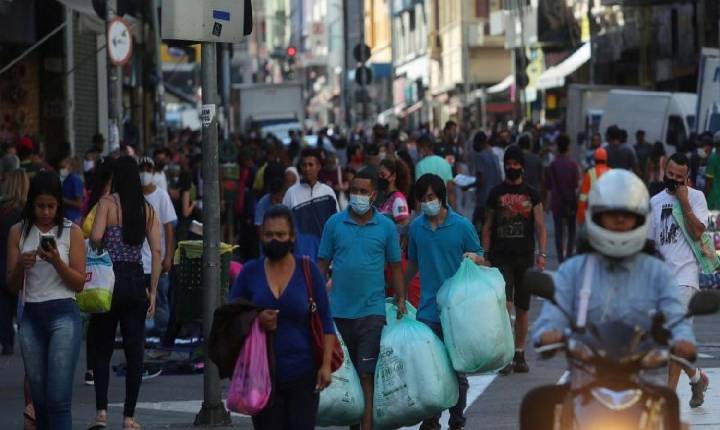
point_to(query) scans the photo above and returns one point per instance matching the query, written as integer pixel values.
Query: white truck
(708, 104)
(586, 104)
(665, 117)
(268, 108)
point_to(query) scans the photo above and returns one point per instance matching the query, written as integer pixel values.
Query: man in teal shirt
(431, 163)
(439, 240)
(359, 242)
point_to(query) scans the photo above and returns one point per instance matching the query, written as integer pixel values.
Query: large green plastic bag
(474, 319)
(342, 403)
(414, 379)
(391, 311)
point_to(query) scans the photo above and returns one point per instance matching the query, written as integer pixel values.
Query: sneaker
(505, 371)
(89, 378)
(698, 390)
(519, 363)
(150, 374)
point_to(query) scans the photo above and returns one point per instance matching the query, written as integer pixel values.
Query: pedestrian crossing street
(705, 417)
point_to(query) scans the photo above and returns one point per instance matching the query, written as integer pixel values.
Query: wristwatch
(542, 254)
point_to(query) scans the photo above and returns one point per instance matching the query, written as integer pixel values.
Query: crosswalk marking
(478, 385)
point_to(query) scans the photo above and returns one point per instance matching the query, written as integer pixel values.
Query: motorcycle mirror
(704, 303)
(540, 285)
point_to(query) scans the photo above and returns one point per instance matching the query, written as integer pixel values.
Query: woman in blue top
(277, 284)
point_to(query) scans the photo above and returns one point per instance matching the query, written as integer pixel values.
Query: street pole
(363, 84)
(225, 71)
(115, 110)
(70, 79)
(161, 137)
(213, 412)
(346, 67)
(465, 66)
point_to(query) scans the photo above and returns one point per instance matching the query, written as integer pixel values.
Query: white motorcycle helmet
(618, 190)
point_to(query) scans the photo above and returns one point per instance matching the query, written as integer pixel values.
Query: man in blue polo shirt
(359, 242)
(453, 238)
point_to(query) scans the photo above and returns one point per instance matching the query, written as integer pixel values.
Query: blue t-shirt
(438, 255)
(359, 253)
(292, 340)
(73, 190)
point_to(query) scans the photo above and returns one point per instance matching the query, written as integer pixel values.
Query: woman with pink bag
(277, 284)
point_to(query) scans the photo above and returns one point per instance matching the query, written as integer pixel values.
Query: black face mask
(671, 184)
(383, 184)
(276, 250)
(513, 174)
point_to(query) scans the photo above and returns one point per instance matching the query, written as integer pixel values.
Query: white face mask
(146, 178)
(88, 165)
(64, 173)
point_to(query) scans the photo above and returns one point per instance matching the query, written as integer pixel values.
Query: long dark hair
(100, 178)
(126, 183)
(401, 171)
(43, 183)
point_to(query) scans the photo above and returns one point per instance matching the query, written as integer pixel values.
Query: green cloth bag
(704, 249)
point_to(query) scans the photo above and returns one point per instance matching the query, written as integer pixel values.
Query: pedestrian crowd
(340, 221)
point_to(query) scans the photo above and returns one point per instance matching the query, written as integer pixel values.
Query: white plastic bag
(96, 296)
(342, 403)
(391, 311)
(474, 319)
(414, 379)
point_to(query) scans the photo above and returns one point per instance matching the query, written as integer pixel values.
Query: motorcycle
(606, 362)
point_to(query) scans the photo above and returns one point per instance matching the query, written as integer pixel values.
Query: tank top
(42, 281)
(116, 247)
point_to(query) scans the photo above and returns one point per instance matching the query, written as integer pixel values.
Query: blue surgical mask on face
(431, 208)
(359, 204)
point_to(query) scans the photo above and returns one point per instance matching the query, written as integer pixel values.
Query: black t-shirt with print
(513, 224)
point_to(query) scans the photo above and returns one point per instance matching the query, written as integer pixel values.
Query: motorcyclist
(627, 284)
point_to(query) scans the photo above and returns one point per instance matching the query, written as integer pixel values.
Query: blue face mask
(431, 208)
(359, 204)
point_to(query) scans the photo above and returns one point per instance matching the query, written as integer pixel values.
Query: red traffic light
(291, 51)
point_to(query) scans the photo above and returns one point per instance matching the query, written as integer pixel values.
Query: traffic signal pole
(213, 411)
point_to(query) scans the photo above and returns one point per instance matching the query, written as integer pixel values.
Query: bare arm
(73, 273)
(169, 247)
(187, 206)
(695, 227)
(100, 224)
(451, 194)
(324, 266)
(487, 230)
(152, 229)
(412, 269)
(73, 203)
(398, 282)
(541, 234)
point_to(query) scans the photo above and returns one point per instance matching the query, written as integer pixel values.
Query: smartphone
(47, 242)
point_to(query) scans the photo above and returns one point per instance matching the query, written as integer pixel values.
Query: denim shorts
(362, 338)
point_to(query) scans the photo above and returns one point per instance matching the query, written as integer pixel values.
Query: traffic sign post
(119, 41)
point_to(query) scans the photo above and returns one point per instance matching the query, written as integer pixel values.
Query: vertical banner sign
(207, 114)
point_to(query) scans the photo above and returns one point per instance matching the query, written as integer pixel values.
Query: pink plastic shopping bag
(250, 386)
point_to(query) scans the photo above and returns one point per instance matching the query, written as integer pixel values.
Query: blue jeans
(50, 337)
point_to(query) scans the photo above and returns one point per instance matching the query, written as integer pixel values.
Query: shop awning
(502, 85)
(555, 76)
(83, 6)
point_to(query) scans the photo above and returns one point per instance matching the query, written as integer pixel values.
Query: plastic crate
(187, 287)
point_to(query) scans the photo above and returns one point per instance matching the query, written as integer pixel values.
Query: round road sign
(119, 41)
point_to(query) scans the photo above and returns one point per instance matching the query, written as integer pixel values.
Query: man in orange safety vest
(591, 176)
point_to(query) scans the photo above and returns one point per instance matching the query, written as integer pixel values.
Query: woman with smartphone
(46, 260)
(122, 222)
